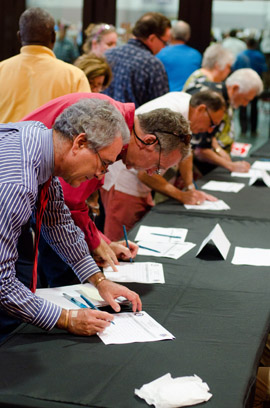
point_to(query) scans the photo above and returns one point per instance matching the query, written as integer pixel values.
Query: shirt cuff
(85, 268)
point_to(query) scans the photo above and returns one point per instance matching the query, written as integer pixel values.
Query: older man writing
(85, 137)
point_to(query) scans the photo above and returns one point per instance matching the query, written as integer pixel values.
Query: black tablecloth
(263, 151)
(218, 312)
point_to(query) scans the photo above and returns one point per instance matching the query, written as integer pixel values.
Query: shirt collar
(36, 49)
(138, 43)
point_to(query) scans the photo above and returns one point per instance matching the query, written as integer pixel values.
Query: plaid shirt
(138, 76)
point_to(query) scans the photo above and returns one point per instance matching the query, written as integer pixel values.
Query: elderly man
(216, 66)
(142, 153)
(85, 138)
(138, 76)
(179, 59)
(35, 76)
(238, 90)
(125, 189)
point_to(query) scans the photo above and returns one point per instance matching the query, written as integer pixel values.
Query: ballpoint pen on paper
(88, 301)
(149, 249)
(126, 238)
(164, 235)
(196, 187)
(75, 301)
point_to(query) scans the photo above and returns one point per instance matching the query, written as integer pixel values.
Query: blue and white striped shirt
(26, 162)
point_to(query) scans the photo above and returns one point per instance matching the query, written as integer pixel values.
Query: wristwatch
(189, 187)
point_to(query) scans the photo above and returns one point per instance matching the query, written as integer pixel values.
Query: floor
(263, 129)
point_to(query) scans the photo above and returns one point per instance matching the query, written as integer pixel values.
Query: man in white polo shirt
(131, 189)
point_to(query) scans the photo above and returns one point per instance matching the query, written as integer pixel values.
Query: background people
(97, 70)
(35, 76)
(99, 38)
(179, 59)
(138, 76)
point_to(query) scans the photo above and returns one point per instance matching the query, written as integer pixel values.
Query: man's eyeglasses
(184, 138)
(104, 165)
(165, 43)
(213, 125)
(149, 144)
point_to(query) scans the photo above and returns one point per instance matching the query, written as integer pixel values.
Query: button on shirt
(138, 76)
(26, 162)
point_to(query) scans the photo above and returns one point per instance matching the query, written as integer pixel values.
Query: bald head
(37, 27)
(181, 31)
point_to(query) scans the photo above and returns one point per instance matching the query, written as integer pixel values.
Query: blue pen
(164, 235)
(91, 304)
(196, 187)
(149, 249)
(125, 234)
(73, 300)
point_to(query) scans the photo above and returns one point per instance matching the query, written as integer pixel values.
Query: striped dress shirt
(26, 162)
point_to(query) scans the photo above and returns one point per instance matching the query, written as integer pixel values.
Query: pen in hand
(91, 304)
(126, 239)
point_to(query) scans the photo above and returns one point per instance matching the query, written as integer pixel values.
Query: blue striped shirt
(26, 162)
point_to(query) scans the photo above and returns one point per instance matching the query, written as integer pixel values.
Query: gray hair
(36, 26)
(174, 125)
(181, 31)
(98, 119)
(247, 79)
(216, 54)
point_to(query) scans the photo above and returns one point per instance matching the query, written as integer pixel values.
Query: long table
(218, 312)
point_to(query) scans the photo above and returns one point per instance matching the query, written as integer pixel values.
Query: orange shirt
(34, 77)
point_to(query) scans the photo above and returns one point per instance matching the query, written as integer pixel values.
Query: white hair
(216, 54)
(247, 79)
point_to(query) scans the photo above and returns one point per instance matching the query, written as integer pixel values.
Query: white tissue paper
(168, 392)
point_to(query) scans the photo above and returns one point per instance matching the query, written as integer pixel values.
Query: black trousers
(24, 268)
(249, 119)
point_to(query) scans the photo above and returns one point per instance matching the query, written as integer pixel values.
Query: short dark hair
(172, 123)
(36, 26)
(212, 99)
(151, 23)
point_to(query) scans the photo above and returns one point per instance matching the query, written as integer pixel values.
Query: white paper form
(261, 165)
(226, 186)
(160, 234)
(136, 327)
(251, 256)
(55, 295)
(247, 174)
(141, 272)
(220, 240)
(209, 205)
(159, 249)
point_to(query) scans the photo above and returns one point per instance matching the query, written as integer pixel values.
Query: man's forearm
(210, 156)
(159, 184)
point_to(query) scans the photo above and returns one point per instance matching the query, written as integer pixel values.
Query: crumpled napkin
(168, 392)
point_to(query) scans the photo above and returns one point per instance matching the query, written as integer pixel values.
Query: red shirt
(75, 197)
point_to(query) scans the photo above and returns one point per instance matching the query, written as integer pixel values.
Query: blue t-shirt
(251, 59)
(180, 61)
